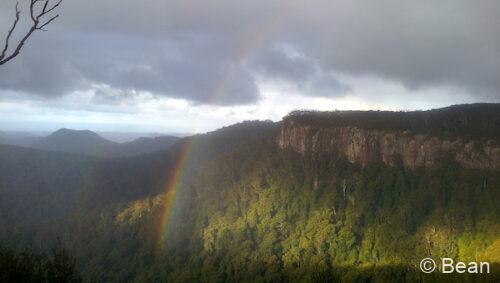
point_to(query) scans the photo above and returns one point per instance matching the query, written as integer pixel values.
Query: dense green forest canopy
(245, 210)
(29, 267)
(467, 121)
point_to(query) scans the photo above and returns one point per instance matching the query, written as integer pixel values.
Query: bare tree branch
(48, 22)
(6, 47)
(37, 13)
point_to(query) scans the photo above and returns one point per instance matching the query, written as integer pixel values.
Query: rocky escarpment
(391, 147)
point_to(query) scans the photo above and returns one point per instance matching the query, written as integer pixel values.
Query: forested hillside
(91, 144)
(75, 141)
(286, 217)
(479, 120)
(234, 206)
(43, 193)
(29, 267)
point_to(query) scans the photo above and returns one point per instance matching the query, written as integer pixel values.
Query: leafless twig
(40, 11)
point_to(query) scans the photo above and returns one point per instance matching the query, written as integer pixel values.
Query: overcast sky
(193, 66)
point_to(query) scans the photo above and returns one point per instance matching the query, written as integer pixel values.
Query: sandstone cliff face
(392, 148)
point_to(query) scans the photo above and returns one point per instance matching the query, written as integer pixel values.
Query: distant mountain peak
(66, 131)
(75, 141)
(90, 143)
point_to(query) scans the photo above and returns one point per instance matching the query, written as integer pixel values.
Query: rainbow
(254, 40)
(174, 183)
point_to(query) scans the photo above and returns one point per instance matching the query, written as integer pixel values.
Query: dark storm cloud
(111, 97)
(308, 76)
(418, 43)
(213, 51)
(198, 71)
(275, 63)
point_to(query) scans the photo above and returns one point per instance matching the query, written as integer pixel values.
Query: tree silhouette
(41, 15)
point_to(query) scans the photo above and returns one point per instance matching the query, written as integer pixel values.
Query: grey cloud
(326, 85)
(213, 51)
(305, 74)
(418, 43)
(275, 63)
(200, 71)
(111, 96)
(40, 71)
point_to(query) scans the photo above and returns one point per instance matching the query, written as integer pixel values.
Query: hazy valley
(319, 196)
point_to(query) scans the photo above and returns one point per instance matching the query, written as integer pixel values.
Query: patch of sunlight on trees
(136, 210)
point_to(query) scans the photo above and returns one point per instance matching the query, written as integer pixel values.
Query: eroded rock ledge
(390, 147)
